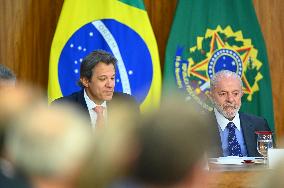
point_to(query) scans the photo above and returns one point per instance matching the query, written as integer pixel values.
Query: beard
(229, 114)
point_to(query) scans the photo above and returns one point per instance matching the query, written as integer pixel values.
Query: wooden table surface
(236, 176)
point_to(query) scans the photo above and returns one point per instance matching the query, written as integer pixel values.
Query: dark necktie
(233, 144)
(100, 116)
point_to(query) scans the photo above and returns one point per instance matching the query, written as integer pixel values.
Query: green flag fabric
(211, 35)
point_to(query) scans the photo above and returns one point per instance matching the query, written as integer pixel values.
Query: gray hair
(223, 74)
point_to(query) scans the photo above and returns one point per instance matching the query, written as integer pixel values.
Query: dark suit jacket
(249, 124)
(78, 100)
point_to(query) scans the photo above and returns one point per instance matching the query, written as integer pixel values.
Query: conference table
(245, 175)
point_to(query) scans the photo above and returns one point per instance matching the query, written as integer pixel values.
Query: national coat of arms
(217, 50)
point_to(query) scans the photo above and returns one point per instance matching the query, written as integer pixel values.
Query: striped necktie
(100, 116)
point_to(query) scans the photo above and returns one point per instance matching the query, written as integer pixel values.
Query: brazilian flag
(211, 35)
(121, 27)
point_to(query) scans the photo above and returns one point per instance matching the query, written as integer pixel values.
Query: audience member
(272, 177)
(115, 149)
(172, 146)
(49, 145)
(13, 102)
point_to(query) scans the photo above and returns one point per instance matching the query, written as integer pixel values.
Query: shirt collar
(222, 121)
(91, 104)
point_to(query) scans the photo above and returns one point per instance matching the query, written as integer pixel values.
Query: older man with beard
(235, 133)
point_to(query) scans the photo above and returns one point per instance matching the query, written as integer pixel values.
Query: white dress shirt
(91, 105)
(223, 131)
(223, 122)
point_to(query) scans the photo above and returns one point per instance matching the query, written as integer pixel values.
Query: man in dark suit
(97, 97)
(234, 134)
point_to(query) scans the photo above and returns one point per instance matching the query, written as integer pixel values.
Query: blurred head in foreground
(13, 102)
(115, 148)
(7, 77)
(173, 142)
(273, 177)
(49, 145)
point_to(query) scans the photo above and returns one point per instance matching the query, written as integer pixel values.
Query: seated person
(97, 79)
(234, 134)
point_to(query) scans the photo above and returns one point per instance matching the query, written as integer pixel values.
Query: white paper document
(234, 160)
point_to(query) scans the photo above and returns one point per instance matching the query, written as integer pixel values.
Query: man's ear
(242, 93)
(84, 81)
(210, 94)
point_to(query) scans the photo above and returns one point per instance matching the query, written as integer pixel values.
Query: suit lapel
(249, 135)
(81, 100)
(110, 105)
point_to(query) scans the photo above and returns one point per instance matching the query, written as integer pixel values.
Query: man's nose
(230, 97)
(110, 83)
